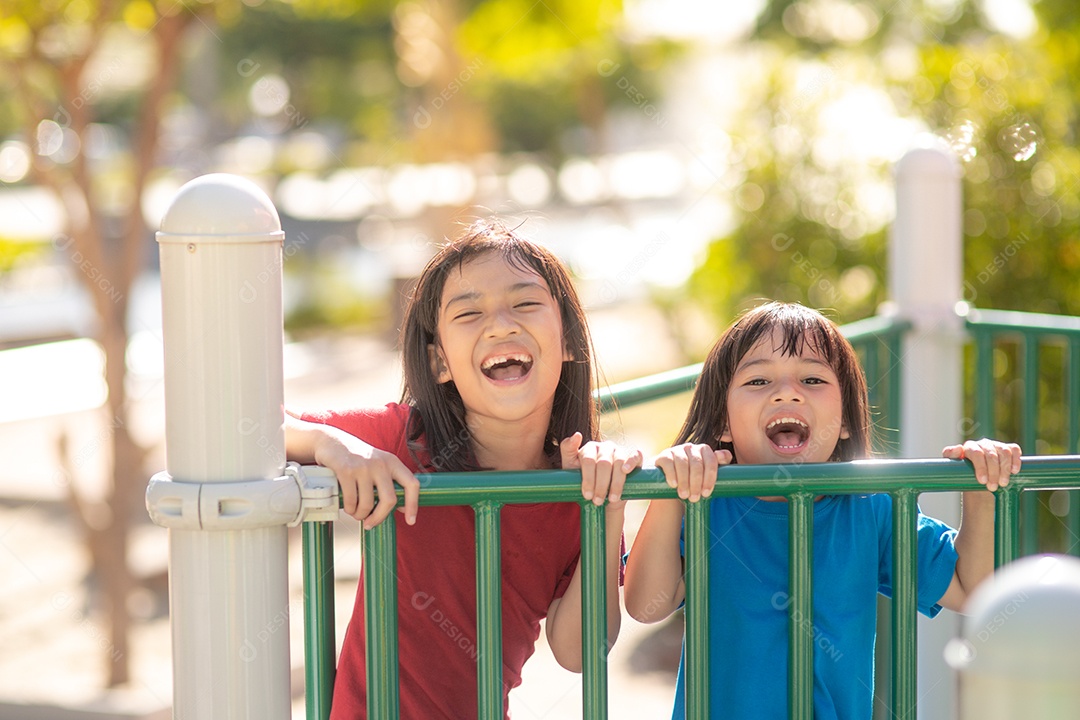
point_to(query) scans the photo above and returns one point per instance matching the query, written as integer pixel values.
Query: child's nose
(787, 390)
(502, 322)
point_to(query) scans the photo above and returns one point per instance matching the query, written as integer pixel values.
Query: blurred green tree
(431, 80)
(416, 80)
(63, 62)
(840, 82)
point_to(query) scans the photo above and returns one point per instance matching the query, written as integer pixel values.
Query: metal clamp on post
(318, 492)
(298, 495)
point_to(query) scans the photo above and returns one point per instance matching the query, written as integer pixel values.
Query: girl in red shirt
(498, 376)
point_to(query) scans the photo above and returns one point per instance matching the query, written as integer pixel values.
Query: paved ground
(50, 643)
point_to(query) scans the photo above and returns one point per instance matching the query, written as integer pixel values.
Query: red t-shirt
(437, 651)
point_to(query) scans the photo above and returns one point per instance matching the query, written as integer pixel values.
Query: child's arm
(994, 462)
(363, 472)
(654, 570)
(604, 466)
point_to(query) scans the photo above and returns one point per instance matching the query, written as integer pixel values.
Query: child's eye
(527, 303)
(757, 381)
(814, 381)
(464, 314)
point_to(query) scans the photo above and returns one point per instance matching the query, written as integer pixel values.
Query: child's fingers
(411, 485)
(1008, 461)
(682, 471)
(699, 467)
(384, 486)
(987, 462)
(349, 495)
(568, 452)
(666, 462)
(709, 466)
(365, 495)
(625, 462)
(1015, 455)
(596, 468)
(953, 452)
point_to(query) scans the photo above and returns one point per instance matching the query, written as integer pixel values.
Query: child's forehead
(775, 345)
(490, 272)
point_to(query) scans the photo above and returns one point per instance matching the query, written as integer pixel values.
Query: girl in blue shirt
(783, 385)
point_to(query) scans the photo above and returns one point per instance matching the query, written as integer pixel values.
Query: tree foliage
(811, 224)
(108, 94)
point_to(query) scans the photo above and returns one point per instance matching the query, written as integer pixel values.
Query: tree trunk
(128, 481)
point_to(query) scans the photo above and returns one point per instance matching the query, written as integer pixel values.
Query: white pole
(221, 247)
(1020, 652)
(925, 285)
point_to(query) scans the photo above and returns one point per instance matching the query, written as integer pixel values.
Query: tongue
(787, 438)
(509, 371)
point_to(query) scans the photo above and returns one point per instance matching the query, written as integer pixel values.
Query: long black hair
(796, 327)
(437, 427)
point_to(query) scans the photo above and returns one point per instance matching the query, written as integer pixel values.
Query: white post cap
(1023, 625)
(219, 205)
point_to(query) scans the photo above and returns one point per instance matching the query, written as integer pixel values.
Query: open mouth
(788, 433)
(507, 367)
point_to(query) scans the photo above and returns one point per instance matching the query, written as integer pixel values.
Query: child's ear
(844, 434)
(726, 435)
(439, 368)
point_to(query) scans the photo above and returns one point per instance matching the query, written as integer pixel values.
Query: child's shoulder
(385, 413)
(389, 420)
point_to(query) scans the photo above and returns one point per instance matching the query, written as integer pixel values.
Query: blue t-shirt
(748, 595)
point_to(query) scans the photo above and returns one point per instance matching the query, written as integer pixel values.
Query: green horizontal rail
(1041, 472)
(1022, 322)
(903, 479)
(864, 334)
(647, 389)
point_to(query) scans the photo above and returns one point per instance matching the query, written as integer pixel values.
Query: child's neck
(510, 446)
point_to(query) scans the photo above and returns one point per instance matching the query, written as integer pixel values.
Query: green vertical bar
(892, 413)
(1072, 379)
(904, 607)
(594, 638)
(489, 612)
(380, 619)
(984, 383)
(1029, 432)
(872, 370)
(1072, 442)
(801, 607)
(697, 610)
(320, 643)
(1006, 526)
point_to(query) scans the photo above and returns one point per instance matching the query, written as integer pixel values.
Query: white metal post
(1020, 653)
(225, 497)
(925, 285)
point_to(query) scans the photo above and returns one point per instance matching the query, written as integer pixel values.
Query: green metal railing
(487, 492)
(878, 342)
(1032, 337)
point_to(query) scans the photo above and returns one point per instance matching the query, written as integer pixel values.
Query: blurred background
(686, 158)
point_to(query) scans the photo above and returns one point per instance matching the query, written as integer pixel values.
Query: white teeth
(495, 360)
(787, 420)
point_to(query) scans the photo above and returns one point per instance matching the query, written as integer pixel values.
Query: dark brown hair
(438, 417)
(797, 327)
